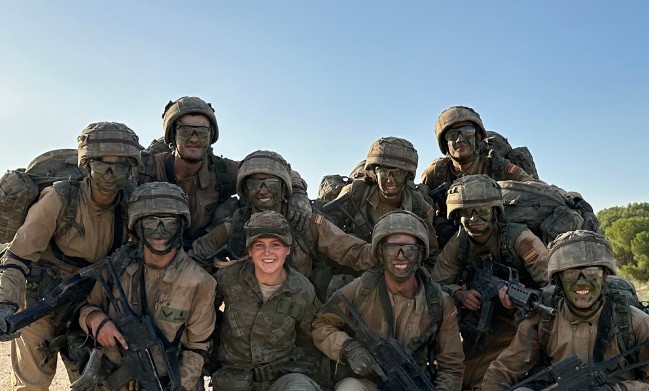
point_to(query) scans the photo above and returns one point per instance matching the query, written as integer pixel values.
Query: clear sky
(318, 81)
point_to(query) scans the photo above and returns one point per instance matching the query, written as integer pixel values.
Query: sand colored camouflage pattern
(187, 105)
(580, 248)
(264, 162)
(267, 223)
(399, 222)
(393, 152)
(157, 198)
(453, 115)
(473, 191)
(108, 138)
(331, 185)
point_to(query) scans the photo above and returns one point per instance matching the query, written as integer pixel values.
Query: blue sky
(319, 81)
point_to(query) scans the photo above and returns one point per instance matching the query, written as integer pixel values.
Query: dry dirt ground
(60, 383)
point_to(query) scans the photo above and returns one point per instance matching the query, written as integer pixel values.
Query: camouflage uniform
(446, 170)
(39, 258)
(214, 182)
(362, 200)
(178, 296)
(510, 244)
(265, 344)
(571, 334)
(319, 238)
(425, 325)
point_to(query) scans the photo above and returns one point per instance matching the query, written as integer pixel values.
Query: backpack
(520, 156)
(20, 189)
(621, 295)
(542, 207)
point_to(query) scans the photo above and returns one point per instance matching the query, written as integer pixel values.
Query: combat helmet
(580, 248)
(264, 162)
(108, 138)
(393, 152)
(265, 224)
(187, 105)
(453, 115)
(473, 191)
(157, 198)
(399, 222)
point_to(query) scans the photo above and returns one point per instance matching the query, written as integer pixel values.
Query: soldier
(579, 264)
(484, 235)
(263, 183)
(394, 163)
(399, 300)
(190, 128)
(39, 257)
(159, 280)
(459, 131)
(266, 334)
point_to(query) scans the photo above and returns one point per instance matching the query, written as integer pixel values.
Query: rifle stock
(399, 371)
(72, 291)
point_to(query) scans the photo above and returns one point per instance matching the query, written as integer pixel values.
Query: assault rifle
(73, 292)
(575, 375)
(438, 195)
(397, 369)
(144, 340)
(336, 211)
(488, 284)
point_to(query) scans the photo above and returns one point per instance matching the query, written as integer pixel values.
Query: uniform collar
(172, 271)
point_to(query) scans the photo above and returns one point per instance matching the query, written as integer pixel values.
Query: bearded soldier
(590, 324)
(190, 128)
(41, 255)
(266, 333)
(485, 238)
(159, 280)
(399, 300)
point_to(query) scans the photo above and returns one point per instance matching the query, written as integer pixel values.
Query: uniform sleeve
(327, 333)
(640, 324)
(343, 248)
(516, 360)
(515, 173)
(447, 266)
(199, 328)
(93, 303)
(535, 255)
(449, 354)
(204, 249)
(31, 239)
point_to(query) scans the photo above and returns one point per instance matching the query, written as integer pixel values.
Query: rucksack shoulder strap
(224, 180)
(367, 282)
(68, 192)
(496, 166)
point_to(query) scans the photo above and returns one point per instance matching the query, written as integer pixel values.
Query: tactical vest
(353, 214)
(369, 281)
(507, 233)
(443, 170)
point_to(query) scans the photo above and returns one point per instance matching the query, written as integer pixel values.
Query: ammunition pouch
(233, 379)
(42, 278)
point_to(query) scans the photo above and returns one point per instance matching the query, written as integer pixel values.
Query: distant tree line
(627, 229)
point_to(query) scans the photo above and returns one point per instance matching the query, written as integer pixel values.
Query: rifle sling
(387, 307)
(603, 329)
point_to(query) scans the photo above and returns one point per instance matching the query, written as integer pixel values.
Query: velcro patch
(530, 255)
(173, 315)
(290, 308)
(319, 219)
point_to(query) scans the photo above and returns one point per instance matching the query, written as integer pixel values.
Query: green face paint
(582, 286)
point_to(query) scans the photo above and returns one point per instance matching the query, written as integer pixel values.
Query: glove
(360, 360)
(6, 310)
(299, 210)
(89, 379)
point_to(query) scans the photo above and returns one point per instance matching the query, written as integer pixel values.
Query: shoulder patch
(429, 211)
(319, 219)
(512, 168)
(454, 312)
(530, 255)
